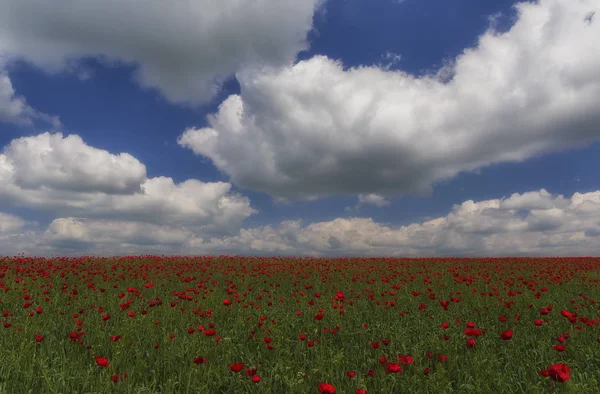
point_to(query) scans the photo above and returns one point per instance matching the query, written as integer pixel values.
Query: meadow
(228, 324)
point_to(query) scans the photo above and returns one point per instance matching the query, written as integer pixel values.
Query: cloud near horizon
(65, 177)
(532, 223)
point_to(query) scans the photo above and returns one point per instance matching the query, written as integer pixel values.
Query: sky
(300, 127)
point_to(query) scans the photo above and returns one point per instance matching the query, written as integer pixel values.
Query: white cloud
(317, 129)
(14, 109)
(17, 234)
(10, 224)
(391, 59)
(100, 233)
(51, 161)
(65, 177)
(372, 199)
(184, 48)
(533, 223)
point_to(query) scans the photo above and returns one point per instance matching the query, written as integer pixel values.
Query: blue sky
(342, 106)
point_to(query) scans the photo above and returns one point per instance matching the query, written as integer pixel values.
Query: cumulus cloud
(532, 223)
(14, 108)
(67, 163)
(372, 199)
(76, 236)
(317, 129)
(369, 199)
(77, 233)
(10, 224)
(65, 177)
(17, 235)
(185, 49)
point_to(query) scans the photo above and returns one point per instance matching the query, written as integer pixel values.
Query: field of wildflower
(222, 324)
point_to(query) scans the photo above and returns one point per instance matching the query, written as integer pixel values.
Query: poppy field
(223, 324)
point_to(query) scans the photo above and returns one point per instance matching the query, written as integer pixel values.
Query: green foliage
(377, 294)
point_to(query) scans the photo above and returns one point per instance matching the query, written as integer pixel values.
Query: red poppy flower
(538, 322)
(393, 368)
(351, 374)
(115, 378)
(250, 371)
(326, 388)
(237, 367)
(361, 391)
(209, 333)
(102, 362)
(506, 335)
(256, 379)
(406, 359)
(471, 343)
(472, 332)
(560, 348)
(200, 360)
(38, 338)
(559, 372)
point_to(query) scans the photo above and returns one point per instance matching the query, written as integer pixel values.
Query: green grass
(59, 365)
